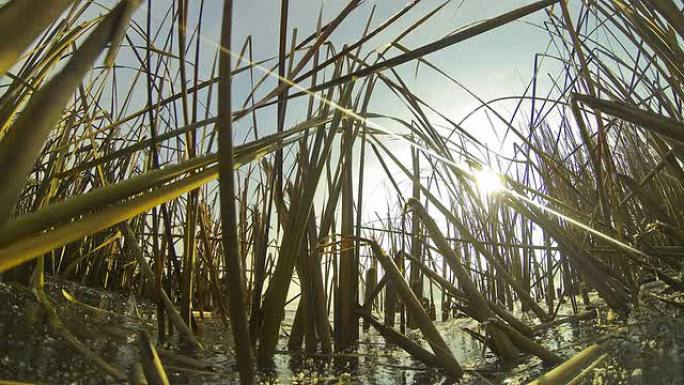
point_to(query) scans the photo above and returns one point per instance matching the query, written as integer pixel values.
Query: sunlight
(488, 181)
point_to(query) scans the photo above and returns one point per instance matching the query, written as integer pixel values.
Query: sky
(495, 64)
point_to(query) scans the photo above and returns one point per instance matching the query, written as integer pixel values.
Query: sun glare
(488, 181)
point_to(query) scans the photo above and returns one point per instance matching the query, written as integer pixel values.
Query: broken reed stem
(566, 371)
(75, 343)
(439, 347)
(152, 365)
(402, 341)
(174, 315)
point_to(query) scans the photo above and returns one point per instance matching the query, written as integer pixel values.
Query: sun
(488, 181)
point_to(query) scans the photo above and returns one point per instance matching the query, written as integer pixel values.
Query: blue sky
(495, 64)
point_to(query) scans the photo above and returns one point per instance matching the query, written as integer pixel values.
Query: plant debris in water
(647, 348)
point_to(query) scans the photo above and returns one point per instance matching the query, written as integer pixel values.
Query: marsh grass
(98, 191)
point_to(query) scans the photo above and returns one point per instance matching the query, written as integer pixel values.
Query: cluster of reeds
(169, 199)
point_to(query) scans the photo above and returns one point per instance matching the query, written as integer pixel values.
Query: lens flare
(488, 182)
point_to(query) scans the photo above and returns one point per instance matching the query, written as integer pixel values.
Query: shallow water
(375, 362)
(648, 349)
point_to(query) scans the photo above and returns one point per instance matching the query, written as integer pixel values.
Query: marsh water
(645, 349)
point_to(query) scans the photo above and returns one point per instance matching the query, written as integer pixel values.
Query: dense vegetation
(136, 184)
